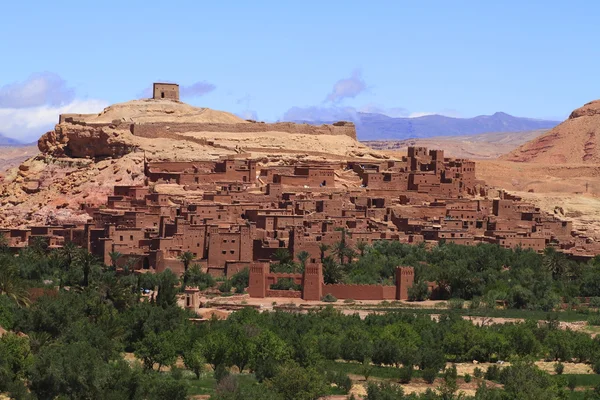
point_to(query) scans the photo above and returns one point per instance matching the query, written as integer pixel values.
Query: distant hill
(371, 126)
(575, 141)
(479, 146)
(6, 141)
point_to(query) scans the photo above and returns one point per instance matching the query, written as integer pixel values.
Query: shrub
(329, 298)
(195, 277)
(241, 280)
(595, 302)
(467, 378)
(429, 375)
(572, 382)
(225, 287)
(341, 380)
(418, 292)
(405, 374)
(596, 366)
(221, 372)
(492, 373)
(594, 320)
(559, 368)
(475, 303)
(349, 301)
(478, 373)
(456, 304)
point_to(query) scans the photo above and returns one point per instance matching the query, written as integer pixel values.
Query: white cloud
(347, 88)
(28, 124)
(39, 89)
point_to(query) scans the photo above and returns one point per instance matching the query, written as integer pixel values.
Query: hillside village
(237, 211)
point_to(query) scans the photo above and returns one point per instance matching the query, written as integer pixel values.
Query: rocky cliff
(575, 141)
(87, 154)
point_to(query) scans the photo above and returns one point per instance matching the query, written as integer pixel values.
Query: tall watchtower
(405, 277)
(165, 91)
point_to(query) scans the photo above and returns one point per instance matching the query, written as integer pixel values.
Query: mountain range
(371, 126)
(6, 141)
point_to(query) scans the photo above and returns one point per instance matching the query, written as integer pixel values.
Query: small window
(121, 238)
(224, 252)
(231, 251)
(130, 237)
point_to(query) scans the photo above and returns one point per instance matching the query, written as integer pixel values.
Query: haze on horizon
(272, 60)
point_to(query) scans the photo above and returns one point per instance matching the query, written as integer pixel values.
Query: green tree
(11, 285)
(114, 258)
(332, 271)
(186, 258)
(271, 351)
(156, 349)
(88, 264)
(303, 257)
(167, 293)
(194, 360)
(74, 369)
(362, 247)
(282, 256)
(323, 248)
(297, 383)
(215, 348)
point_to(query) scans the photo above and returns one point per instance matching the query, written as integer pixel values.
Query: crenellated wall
(361, 292)
(158, 129)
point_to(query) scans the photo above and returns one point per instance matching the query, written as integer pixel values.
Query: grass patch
(565, 316)
(583, 380)
(207, 384)
(357, 369)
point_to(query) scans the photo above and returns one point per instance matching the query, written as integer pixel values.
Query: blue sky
(305, 59)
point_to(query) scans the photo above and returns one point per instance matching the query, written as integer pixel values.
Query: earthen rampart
(360, 292)
(157, 129)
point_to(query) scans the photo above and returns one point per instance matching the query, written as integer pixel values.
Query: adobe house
(165, 91)
(232, 212)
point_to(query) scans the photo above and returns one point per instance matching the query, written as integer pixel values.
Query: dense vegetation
(484, 273)
(81, 340)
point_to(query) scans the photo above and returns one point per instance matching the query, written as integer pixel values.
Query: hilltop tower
(165, 91)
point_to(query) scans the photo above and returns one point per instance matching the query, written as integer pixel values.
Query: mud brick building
(234, 213)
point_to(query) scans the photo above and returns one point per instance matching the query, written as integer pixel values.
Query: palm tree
(361, 247)
(114, 258)
(341, 249)
(303, 257)
(69, 252)
(282, 255)
(332, 273)
(555, 262)
(186, 258)
(39, 244)
(87, 261)
(11, 284)
(323, 248)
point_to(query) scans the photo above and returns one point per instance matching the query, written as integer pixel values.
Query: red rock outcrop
(575, 141)
(82, 141)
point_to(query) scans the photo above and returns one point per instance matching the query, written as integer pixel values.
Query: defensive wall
(157, 129)
(313, 287)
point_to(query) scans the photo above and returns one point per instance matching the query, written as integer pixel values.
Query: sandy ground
(481, 146)
(575, 189)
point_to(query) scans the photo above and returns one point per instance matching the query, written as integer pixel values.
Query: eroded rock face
(575, 141)
(82, 141)
(588, 110)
